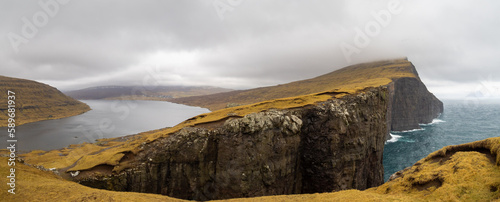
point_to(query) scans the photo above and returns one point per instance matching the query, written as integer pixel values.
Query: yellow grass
(466, 172)
(36, 185)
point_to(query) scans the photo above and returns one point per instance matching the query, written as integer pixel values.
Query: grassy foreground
(468, 172)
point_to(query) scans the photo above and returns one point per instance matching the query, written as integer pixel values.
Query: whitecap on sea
(394, 138)
(409, 131)
(434, 121)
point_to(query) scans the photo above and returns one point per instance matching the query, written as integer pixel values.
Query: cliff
(36, 101)
(294, 143)
(273, 152)
(412, 104)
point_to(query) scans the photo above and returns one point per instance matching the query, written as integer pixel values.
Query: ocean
(461, 122)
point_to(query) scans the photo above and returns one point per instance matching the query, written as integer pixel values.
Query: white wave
(409, 131)
(434, 121)
(394, 138)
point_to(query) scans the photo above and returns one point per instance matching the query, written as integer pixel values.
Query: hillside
(330, 139)
(349, 79)
(36, 101)
(142, 92)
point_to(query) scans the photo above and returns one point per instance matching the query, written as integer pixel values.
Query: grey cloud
(257, 43)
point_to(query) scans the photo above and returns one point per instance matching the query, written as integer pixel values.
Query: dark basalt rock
(412, 104)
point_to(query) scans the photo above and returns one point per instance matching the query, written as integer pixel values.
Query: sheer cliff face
(332, 145)
(412, 104)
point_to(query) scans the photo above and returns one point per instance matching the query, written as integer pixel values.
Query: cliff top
(36, 101)
(349, 80)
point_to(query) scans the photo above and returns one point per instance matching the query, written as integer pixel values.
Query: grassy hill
(348, 79)
(142, 92)
(36, 101)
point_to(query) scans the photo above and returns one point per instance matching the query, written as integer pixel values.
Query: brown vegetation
(35, 101)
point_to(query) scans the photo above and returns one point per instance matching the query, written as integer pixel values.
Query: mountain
(318, 135)
(142, 92)
(36, 101)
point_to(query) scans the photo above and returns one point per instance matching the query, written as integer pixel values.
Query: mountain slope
(142, 92)
(36, 101)
(348, 79)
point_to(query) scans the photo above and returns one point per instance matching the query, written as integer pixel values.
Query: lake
(107, 119)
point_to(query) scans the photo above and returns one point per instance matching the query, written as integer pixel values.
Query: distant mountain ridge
(142, 92)
(35, 101)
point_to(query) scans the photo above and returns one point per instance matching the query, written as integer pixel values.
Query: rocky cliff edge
(320, 142)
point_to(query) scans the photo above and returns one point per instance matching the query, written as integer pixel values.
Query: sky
(243, 44)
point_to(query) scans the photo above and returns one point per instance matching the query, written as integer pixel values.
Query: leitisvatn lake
(107, 119)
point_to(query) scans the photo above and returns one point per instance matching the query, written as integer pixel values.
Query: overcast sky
(241, 44)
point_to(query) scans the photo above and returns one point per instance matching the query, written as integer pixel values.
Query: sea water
(461, 122)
